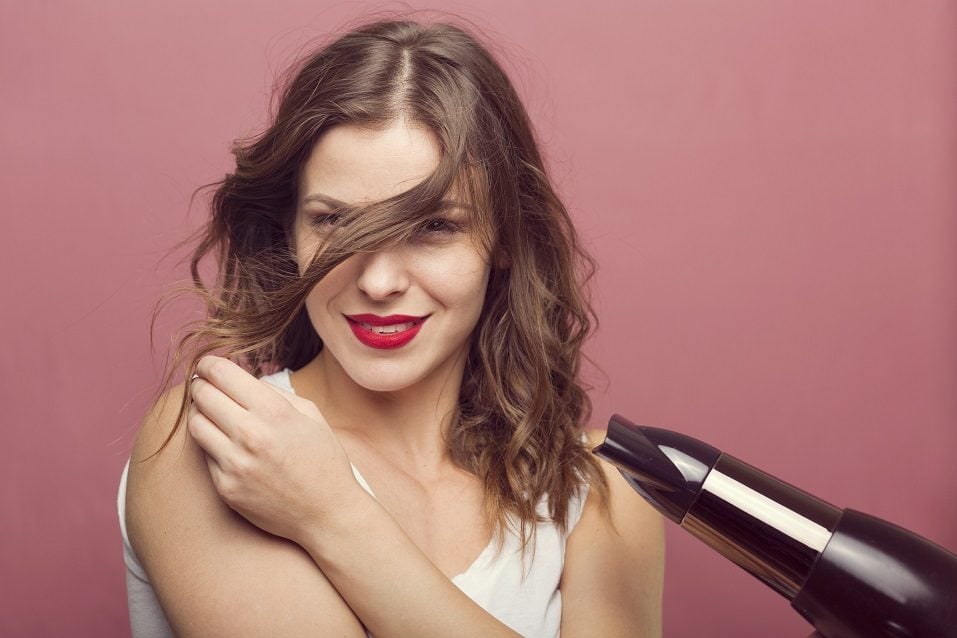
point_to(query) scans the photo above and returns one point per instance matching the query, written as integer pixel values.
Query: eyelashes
(439, 226)
(325, 221)
(435, 228)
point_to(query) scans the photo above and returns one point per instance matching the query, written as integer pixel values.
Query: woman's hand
(271, 455)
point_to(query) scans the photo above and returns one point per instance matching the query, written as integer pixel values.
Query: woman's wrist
(334, 528)
(363, 551)
(333, 521)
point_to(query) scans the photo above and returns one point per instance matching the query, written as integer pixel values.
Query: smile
(385, 333)
(387, 330)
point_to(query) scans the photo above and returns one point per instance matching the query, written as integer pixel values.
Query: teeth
(388, 330)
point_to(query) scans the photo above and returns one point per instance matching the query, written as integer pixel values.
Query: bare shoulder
(614, 564)
(214, 572)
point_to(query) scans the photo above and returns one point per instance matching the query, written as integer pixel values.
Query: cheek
(317, 302)
(314, 304)
(306, 244)
(460, 282)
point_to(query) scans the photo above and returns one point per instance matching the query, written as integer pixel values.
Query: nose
(383, 274)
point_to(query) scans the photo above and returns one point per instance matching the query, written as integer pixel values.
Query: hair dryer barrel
(849, 574)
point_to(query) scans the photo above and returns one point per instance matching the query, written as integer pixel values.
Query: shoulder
(624, 508)
(213, 572)
(614, 566)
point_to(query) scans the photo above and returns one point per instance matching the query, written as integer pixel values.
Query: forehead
(359, 165)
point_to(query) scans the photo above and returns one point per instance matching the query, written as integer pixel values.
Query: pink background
(768, 186)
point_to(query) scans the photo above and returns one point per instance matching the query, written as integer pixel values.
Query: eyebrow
(324, 199)
(335, 203)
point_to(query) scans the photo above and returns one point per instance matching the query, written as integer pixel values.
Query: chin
(378, 380)
(384, 385)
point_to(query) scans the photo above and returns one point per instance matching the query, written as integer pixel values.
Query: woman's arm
(265, 455)
(215, 573)
(614, 566)
(390, 584)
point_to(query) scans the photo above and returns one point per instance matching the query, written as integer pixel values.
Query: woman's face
(396, 317)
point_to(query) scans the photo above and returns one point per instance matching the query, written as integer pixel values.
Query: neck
(406, 424)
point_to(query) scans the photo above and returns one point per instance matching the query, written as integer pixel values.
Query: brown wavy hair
(519, 421)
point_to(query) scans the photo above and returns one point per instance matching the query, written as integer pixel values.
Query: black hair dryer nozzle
(849, 574)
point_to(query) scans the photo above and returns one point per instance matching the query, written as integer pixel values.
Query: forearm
(389, 583)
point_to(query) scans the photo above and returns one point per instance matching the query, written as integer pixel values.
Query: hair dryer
(850, 574)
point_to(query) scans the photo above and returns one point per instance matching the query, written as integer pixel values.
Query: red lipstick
(403, 329)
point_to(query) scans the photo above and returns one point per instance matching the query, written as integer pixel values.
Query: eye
(325, 221)
(438, 227)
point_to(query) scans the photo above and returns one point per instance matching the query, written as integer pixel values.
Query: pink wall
(769, 188)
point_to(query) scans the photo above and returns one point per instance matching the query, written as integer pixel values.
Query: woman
(396, 263)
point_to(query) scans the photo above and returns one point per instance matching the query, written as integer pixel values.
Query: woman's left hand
(271, 455)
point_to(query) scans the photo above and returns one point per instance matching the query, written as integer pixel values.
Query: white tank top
(522, 592)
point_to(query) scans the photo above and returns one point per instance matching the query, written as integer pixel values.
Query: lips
(393, 331)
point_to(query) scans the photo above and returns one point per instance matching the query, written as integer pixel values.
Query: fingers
(305, 406)
(233, 381)
(217, 407)
(207, 435)
(213, 442)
